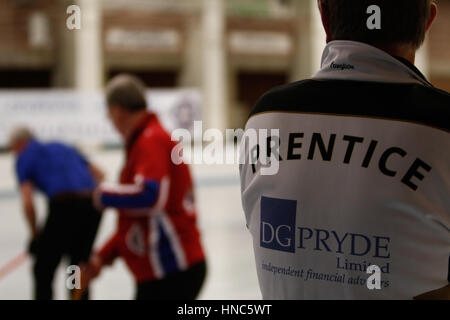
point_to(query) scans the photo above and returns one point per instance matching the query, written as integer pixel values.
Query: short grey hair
(127, 92)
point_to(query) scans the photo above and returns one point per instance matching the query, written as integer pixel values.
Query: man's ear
(325, 19)
(432, 15)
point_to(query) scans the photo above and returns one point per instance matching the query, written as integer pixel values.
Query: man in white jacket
(358, 206)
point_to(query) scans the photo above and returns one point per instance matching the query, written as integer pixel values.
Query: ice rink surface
(231, 266)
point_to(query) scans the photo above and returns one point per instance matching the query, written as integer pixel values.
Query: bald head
(19, 138)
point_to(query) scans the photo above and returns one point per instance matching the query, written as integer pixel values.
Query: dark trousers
(70, 230)
(184, 285)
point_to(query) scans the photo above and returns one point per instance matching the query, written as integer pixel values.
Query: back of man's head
(127, 92)
(402, 21)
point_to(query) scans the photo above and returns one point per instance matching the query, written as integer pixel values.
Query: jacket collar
(350, 60)
(137, 131)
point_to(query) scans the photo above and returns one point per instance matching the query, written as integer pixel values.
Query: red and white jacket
(157, 232)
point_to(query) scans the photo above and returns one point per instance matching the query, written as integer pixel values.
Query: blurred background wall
(233, 50)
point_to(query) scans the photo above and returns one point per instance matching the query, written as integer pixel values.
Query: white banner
(81, 117)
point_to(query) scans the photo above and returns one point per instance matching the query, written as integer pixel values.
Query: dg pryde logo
(277, 231)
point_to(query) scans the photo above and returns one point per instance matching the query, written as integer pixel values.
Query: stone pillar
(310, 39)
(64, 47)
(318, 35)
(88, 47)
(302, 41)
(191, 73)
(215, 93)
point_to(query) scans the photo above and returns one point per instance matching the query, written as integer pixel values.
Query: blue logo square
(277, 229)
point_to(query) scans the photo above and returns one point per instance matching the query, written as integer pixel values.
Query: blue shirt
(54, 168)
